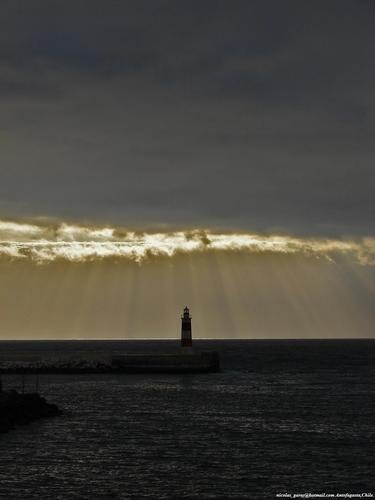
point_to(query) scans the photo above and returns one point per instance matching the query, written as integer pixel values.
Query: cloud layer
(48, 242)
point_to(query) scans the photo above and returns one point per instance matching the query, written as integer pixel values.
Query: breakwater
(20, 409)
(167, 363)
(172, 362)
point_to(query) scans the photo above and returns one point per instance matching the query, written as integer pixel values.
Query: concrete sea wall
(176, 363)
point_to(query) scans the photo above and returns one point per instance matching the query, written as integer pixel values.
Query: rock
(20, 409)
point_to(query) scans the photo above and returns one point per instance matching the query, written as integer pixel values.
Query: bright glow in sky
(75, 280)
(46, 242)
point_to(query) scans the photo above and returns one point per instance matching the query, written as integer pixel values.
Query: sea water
(281, 417)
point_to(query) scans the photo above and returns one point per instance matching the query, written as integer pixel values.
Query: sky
(221, 119)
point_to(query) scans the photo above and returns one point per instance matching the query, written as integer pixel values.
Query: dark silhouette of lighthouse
(186, 340)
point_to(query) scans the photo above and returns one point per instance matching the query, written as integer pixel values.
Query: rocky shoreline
(20, 409)
(53, 368)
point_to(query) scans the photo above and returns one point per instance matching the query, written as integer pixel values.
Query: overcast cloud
(240, 115)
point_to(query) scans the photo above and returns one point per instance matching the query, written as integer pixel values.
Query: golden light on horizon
(63, 280)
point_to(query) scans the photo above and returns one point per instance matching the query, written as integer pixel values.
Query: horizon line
(100, 339)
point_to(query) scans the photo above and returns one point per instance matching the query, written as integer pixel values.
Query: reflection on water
(268, 423)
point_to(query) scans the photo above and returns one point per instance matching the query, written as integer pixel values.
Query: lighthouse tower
(186, 340)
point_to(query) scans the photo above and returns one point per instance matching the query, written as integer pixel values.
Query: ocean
(282, 417)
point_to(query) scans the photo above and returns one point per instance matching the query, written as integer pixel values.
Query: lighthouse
(186, 340)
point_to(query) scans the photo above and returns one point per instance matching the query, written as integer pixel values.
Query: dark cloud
(237, 114)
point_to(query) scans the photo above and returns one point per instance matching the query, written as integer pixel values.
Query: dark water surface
(282, 416)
